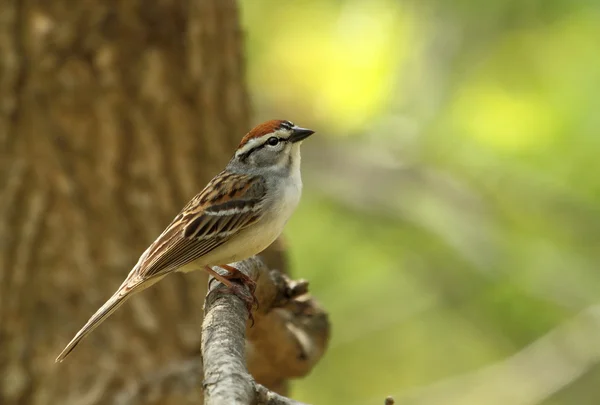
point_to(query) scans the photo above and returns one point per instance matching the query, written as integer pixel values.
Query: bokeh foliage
(484, 233)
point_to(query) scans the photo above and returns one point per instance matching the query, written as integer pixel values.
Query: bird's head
(274, 144)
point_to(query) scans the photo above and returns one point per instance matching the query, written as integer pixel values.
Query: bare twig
(267, 397)
(226, 378)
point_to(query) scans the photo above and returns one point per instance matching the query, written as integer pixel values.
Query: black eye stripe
(257, 147)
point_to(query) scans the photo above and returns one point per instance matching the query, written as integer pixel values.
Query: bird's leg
(235, 274)
(222, 279)
(235, 288)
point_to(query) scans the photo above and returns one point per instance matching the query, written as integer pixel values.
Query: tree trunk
(112, 115)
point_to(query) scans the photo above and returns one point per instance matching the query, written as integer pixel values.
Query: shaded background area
(451, 216)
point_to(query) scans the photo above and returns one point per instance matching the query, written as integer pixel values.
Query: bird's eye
(272, 141)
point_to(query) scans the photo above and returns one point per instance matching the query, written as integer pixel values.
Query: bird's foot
(235, 274)
(235, 281)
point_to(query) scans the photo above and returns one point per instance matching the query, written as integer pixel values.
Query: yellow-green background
(451, 213)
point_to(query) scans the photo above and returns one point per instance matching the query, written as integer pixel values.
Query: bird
(238, 214)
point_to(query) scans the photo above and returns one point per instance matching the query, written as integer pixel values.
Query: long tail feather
(125, 291)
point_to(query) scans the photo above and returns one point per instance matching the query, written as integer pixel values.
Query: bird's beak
(299, 134)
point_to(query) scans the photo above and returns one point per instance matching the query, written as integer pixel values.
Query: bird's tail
(126, 290)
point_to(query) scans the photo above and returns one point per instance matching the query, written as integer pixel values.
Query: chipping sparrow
(239, 213)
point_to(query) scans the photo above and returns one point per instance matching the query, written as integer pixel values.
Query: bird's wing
(228, 204)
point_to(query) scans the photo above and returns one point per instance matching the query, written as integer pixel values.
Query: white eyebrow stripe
(255, 142)
(251, 144)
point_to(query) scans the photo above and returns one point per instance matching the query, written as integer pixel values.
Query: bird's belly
(254, 240)
(247, 243)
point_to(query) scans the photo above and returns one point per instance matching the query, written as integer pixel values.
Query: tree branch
(285, 313)
(289, 336)
(226, 379)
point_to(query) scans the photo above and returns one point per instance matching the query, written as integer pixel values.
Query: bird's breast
(287, 197)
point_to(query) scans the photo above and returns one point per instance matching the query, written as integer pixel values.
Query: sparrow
(239, 213)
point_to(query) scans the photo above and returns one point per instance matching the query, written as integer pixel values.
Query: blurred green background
(451, 216)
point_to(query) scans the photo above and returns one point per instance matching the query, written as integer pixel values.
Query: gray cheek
(252, 160)
(258, 159)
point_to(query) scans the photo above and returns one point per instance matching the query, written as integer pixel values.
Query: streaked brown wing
(228, 204)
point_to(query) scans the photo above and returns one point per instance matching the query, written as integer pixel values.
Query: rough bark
(112, 115)
(288, 321)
